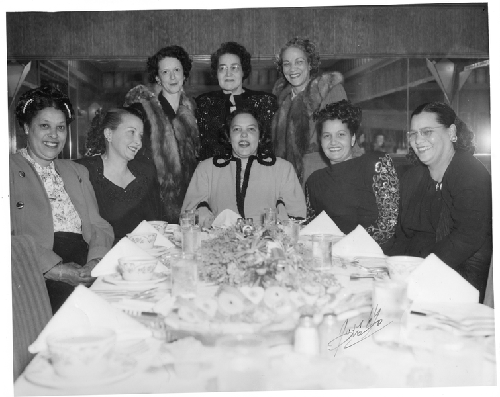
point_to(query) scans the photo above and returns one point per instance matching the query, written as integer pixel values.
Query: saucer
(157, 250)
(40, 372)
(117, 279)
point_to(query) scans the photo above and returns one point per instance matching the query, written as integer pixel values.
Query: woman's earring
(26, 131)
(454, 138)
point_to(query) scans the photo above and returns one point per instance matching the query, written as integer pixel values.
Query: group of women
(235, 148)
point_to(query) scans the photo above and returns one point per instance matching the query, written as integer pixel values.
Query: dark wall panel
(420, 30)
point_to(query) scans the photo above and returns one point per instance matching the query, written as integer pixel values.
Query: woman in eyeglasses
(231, 64)
(445, 197)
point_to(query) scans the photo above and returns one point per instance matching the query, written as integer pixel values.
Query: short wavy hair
(37, 99)
(173, 51)
(446, 116)
(344, 111)
(264, 149)
(96, 142)
(308, 47)
(231, 47)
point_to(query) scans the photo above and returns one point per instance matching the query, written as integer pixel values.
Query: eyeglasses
(425, 133)
(235, 68)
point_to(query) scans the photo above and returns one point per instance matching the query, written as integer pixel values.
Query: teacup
(81, 352)
(136, 268)
(160, 226)
(400, 267)
(143, 240)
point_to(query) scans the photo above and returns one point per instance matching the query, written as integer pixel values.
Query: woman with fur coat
(299, 96)
(171, 134)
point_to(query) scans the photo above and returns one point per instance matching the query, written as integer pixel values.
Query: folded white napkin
(146, 227)
(84, 308)
(358, 243)
(226, 218)
(322, 224)
(435, 282)
(124, 247)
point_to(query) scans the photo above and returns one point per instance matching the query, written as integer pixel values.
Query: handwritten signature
(358, 331)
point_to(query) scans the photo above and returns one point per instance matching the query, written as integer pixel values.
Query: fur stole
(293, 128)
(174, 146)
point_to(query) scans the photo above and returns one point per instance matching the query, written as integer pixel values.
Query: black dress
(125, 208)
(212, 109)
(360, 191)
(452, 220)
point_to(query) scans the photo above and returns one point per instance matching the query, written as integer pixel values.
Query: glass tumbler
(389, 302)
(187, 219)
(291, 229)
(322, 250)
(269, 217)
(184, 275)
(191, 239)
(243, 363)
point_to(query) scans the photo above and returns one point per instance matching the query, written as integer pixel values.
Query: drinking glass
(188, 219)
(322, 250)
(184, 275)
(291, 229)
(243, 363)
(191, 239)
(389, 302)
(269, 217)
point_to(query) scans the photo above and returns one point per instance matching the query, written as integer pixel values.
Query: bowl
(400, 267)
(143, 240)
(136, 268)
(81, 351)
(160, 226)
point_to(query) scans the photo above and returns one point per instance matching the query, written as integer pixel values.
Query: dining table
(169, 360)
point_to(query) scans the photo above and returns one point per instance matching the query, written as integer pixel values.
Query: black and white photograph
(250, 197)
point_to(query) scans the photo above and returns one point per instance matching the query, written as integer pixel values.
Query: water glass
(188, 218)
(191, 239)
(269, 217)
(291, 229)
(243, 363)
(389, 302)
(322, 250)
(184, 275)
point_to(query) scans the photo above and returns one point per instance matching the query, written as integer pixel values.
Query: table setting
(270, 306)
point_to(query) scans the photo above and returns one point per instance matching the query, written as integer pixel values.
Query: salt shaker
(328, 335)
(306, 337)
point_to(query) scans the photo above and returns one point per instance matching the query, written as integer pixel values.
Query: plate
(117, 279)
(40, 372)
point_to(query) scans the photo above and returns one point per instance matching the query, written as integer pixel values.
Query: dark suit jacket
(31, 213)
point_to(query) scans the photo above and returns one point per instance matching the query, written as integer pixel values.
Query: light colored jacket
(31, 212)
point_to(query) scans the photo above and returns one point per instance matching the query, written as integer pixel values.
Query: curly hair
(231, 47)
(264, 149)
(446, 116)
(36, 99)
(344, 111)
(307, 46)
(173, 51)
(96, 142)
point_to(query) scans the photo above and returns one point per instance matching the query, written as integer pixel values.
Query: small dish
(157, 250)
(40, 372)
(117, 279)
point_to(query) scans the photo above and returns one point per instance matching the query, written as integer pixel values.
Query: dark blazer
(31, 213)
(463, 236)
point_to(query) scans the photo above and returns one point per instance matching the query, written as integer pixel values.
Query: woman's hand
(71, 273)
(205, 217)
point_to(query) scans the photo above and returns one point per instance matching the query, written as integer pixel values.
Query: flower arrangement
(265, 259)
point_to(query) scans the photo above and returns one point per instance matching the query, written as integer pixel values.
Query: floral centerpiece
(265, 259)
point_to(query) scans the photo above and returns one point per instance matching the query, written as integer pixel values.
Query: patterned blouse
(361, 191)
(64, 214)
